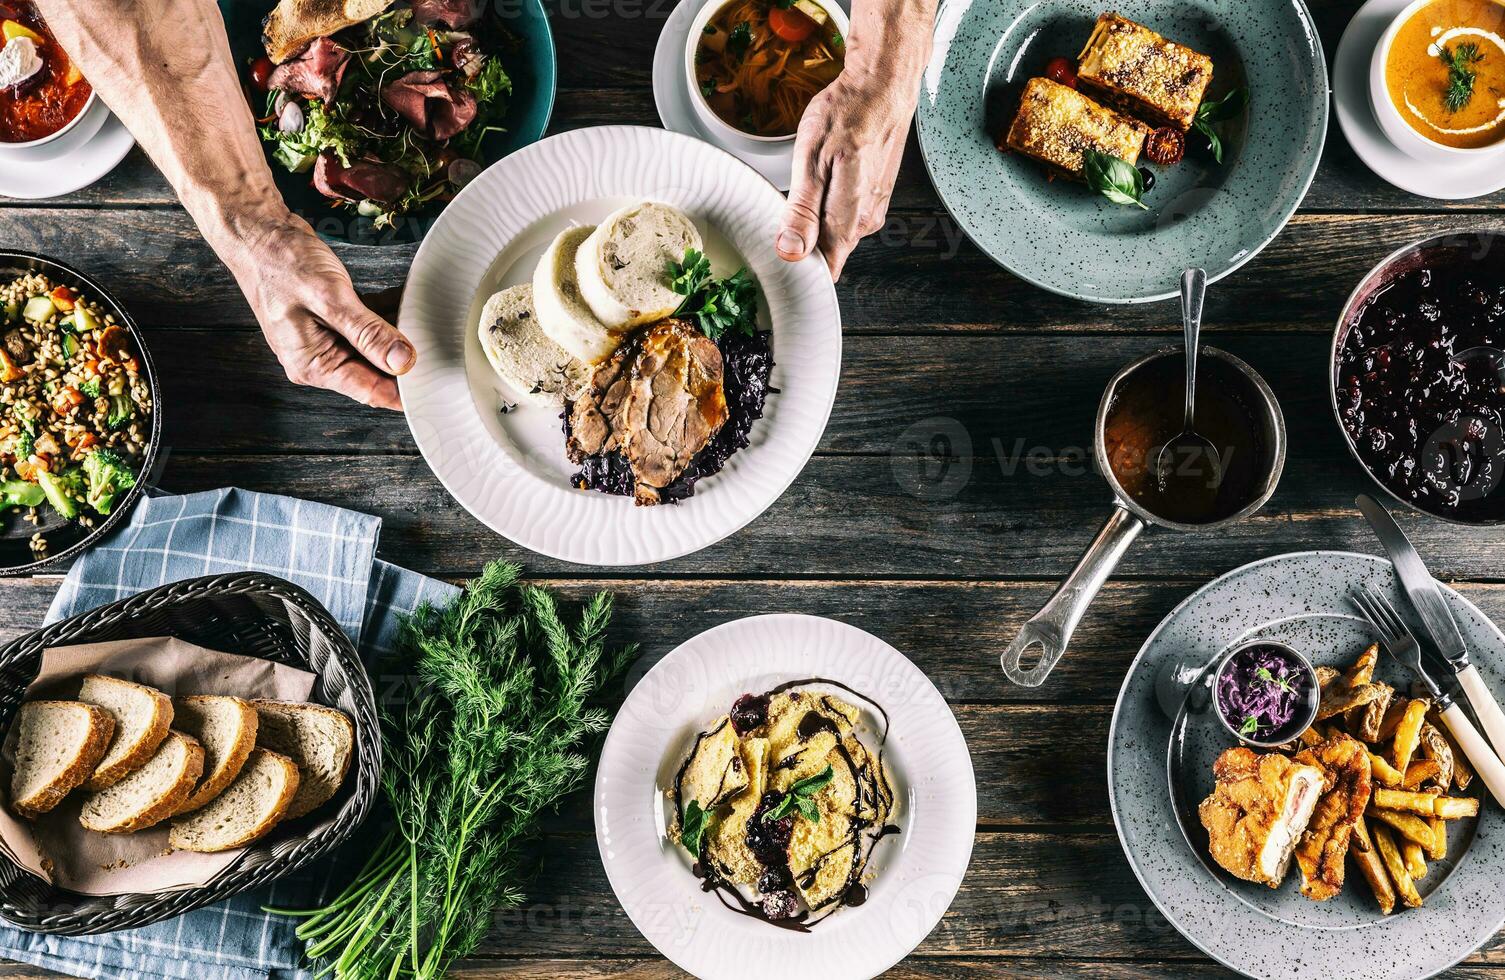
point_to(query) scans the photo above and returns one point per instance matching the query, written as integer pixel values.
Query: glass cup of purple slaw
(1266, 693)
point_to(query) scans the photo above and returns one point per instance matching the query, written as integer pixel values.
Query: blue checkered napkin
(326, 550)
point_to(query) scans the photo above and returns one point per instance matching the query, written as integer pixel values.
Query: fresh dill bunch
(1460, 62)
(491, 736)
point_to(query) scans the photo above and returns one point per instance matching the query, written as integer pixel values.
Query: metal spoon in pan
(1190, 455)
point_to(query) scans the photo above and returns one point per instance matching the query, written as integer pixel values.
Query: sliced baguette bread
(316, 738)
(58, 746)
(623, 266)
(536, 368)
(226, 728)
(151, 793)
(562, 312)
(247, 810)
(142, 717)
(292, 24)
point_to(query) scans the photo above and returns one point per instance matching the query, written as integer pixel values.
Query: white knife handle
(1480, 756)
(1486, 708)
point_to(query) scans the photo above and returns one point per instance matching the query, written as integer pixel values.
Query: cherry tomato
(1061, 70)
(791, 25)
(261, 70)
(1165, 146)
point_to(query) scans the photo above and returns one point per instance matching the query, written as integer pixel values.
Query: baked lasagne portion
(1056, 124)
(1130, 66)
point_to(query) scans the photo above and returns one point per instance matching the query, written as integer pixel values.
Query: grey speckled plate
(1301, 599)
(1061, 236)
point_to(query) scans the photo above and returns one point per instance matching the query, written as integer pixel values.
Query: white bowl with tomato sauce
(55, 101)
(788, 26)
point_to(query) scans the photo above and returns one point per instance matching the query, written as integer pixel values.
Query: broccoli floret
(19, 493)
(108, 478)
(90, 388)
(28, 441)
(63, 490)
(121, 412)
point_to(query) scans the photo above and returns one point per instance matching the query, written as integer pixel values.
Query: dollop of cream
(19, 60)
(1435, 50)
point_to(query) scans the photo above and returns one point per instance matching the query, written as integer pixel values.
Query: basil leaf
(1219, 110)
(1214, 142)
(1115, 179)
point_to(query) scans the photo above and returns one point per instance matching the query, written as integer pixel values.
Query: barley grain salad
(75, 405)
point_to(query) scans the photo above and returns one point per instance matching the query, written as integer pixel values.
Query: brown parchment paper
(56, 846)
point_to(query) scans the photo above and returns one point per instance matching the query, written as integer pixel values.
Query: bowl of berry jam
(1266, 693)
(1418, 380)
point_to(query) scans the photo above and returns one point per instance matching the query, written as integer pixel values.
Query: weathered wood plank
(918, 275)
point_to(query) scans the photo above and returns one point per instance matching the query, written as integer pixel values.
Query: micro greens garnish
(1264, 674)
(715, 305)
(693, 826)
(1250, 725)
(801, 797)
(1213, 111)
(1460, 62)
(1115, 179)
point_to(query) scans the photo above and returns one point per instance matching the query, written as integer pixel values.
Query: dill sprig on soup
(760, 62)
(1445, 72)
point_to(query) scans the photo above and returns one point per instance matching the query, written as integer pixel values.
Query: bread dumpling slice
(58, 746)
(318, 740)
(142, 717)
(226, 728)
(536, 368)
(562, 311)
(246, 811)
(150, 794)
(623, 266)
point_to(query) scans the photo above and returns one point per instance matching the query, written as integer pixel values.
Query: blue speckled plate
(1301, 599)
(1064, 238)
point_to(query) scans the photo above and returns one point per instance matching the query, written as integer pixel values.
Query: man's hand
(846, 158)
(851, 137)
(316, 324)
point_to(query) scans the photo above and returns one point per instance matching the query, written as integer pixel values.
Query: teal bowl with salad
(371, 128)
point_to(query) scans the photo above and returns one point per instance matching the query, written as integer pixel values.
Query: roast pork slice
(596, 416)
(676, 404)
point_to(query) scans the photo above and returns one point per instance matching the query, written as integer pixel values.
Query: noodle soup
(758, 63)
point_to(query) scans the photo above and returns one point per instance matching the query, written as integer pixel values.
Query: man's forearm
(164, 67)
(890, 40)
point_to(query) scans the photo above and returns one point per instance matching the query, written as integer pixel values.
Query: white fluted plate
(915, 874)
(510, 470)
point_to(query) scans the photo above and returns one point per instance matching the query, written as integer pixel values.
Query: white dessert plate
(1448, 182)
(73, 161)
(671, 94)
(509, 469)
(914, 874)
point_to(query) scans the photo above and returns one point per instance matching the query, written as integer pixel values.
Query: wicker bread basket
(251, 614)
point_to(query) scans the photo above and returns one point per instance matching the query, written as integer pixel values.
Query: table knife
(1436, 618)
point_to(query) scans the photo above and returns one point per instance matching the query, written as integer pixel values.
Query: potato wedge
(1384, 773)
(1362, 671)
(1439, 849)
(1421, 771)
(1372, 867)
(1411, 827)
(1437, 749)
(1405, 885)
(1423, 804)
(1366, 721)
(1338, 698)
(1455, 807)
(1393, 715)
(1408, 733)
(1415, 858)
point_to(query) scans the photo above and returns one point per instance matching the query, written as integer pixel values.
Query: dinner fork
(1397, 639)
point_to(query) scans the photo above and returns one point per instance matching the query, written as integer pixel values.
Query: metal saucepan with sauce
(1140, 412)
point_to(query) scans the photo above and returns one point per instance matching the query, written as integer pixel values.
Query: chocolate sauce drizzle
(875, 793)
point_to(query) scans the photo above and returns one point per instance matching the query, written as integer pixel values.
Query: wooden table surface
(945, 501)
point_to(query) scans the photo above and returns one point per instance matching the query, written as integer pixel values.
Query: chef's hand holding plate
(851, 137)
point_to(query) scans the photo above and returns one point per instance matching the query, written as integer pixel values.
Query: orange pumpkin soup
(1446, 72)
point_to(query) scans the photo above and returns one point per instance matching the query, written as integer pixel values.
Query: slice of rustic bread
(249, 808)
(151, 793)
(316, 738)
(142, 717)
(292, 24)
(226, 727)
(58, 746)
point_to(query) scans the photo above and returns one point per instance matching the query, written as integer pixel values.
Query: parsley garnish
(1215, 111)
(1460, 62)
(714, 305)
(740, 39)
(800, 797)
(1115, 179)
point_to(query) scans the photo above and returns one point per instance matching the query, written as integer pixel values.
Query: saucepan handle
(1050, 629)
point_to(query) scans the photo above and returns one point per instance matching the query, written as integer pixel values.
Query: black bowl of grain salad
(79, 412)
